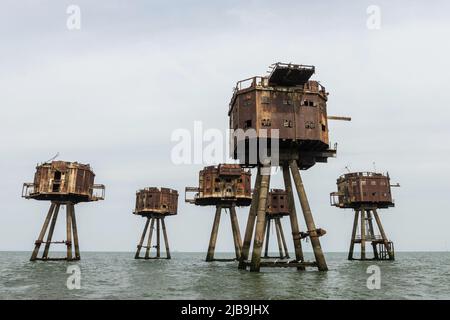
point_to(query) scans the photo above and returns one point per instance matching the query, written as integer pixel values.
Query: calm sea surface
(187, 276)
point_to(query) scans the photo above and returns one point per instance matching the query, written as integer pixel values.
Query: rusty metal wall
(300, 113)
(74, 178)
(277, 203)
(214, 183)
(60, 180)
(356, 189)
(153, 200)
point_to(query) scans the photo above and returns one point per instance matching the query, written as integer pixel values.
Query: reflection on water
(187, 276)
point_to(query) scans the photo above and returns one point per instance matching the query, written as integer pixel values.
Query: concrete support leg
(149, 239)
(50, 232)
(283, 239)
(213, 238)
(266, 248)
(293, 216)
(363, 234)
(139, 246)
(158, 237)
(250, 223)
(280, 245)
(166, 239)
(75, 232)
(372, 235)
(318, 253)
(236, 232)
(260, 221)
(352, 240)
(383, 235)
(42, 233)
(69, 232)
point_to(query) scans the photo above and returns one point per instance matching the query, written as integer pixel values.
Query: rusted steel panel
(288, 101)
(290, 74)
(225, 184)
(156, 201)
(63, 181)
(277, 203)
(363, 189)
(229, 170)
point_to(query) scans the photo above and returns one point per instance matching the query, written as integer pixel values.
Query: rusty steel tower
(224, 186)
(291, 110)
(277, 208)
(155, 204)
(63, 184)
(365, 192)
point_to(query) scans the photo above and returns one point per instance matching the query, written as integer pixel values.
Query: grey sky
(111, 94)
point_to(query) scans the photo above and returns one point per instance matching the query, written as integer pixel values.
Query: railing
(322, 88)
(27, 190)
(264, 81)
(98, 192)
(361, 174)
(292, 65)
(251, 82)
(315, 86)
(230, 170)
(188, 190)
(383, 253)
(334, 199)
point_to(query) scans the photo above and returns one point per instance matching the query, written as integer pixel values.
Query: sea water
(104, 275)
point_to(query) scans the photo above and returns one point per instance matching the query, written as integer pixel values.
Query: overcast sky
(112, 93)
